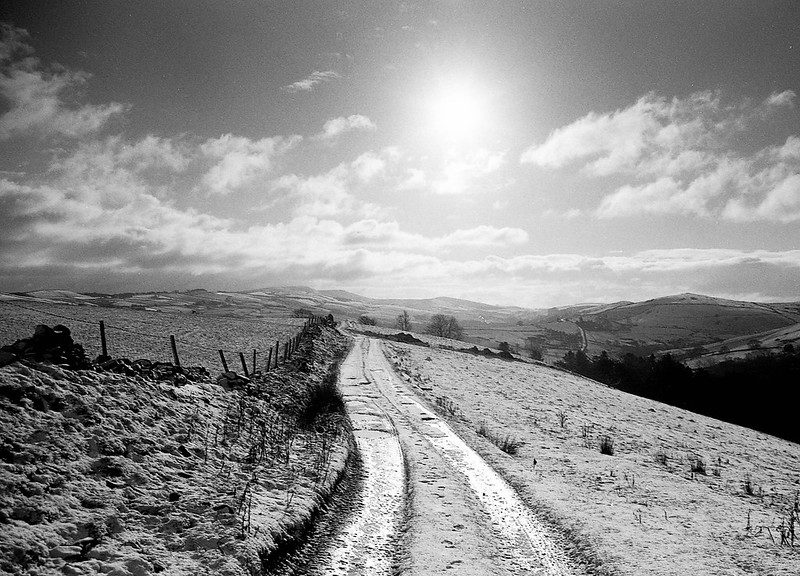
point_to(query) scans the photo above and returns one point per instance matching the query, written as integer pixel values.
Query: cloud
(763, 186)
(338, 126)
(239, 160)
(653, 135)
(98, 216)
(382, 234)
(681, 157)
(460, 174)
(308, 83)
(482, 236)
(332, 193)
(35, 94)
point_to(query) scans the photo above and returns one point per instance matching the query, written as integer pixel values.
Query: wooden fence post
(254, 360)
(103, 346)
(285, 352)
(277, 351)
(224, 364)
(244, 365)
(269, 359)
(174, 351)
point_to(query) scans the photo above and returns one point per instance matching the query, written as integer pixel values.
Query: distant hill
(681, 323)
(678, 322)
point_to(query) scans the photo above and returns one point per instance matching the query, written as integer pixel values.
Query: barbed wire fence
(263, 346)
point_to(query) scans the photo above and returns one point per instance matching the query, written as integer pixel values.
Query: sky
(520, 153)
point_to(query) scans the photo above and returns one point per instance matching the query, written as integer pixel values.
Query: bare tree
(404, 321)
(535, 345)
(444, 326)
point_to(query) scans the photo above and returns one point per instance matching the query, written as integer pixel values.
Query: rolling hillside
(680, 324)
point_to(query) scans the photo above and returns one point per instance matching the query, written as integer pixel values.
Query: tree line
(441, 325)
(755, 391)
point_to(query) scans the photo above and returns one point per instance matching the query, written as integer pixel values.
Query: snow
(164, 478)
(627, 512)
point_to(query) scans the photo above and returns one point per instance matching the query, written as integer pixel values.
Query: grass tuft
(607, 446)
(698, 466)
(507, 444)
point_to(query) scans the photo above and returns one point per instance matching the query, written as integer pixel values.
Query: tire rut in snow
(366, 543)
(526, 544)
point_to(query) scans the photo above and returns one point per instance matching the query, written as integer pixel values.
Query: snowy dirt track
(429, 504)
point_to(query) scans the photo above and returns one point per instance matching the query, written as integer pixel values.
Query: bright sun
(457, 111)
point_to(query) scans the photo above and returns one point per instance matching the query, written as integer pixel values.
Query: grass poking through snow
(507, 444)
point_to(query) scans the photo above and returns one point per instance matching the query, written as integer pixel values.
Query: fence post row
(289, 348)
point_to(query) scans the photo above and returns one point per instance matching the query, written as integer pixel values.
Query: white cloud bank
(681, 158)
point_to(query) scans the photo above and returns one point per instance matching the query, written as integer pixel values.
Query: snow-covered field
(156, 476)
(641, 510)
(145, 334)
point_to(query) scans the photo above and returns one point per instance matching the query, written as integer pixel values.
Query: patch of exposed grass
(607, 446)
(448, 406)
(323, 400)
(698, 466)
(507, 443)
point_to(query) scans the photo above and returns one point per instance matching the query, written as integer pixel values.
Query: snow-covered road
(429, 503)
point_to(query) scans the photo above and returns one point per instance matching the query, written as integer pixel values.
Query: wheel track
(465, 520)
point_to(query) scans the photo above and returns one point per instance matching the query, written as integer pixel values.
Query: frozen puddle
(366, 544)
(522, 540)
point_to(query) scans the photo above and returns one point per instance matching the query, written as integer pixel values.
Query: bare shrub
(367, 320)
(698, 466)
(662, 458)
(607, 446)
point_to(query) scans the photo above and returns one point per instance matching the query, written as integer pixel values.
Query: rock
(65, 552)
(111, 466)
(232, 381)
(139, 567)
(47, 344)
(99, 554)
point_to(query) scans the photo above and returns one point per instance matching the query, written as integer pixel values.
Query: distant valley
(694, 328)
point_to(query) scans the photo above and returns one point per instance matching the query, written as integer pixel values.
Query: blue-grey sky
(534, 153)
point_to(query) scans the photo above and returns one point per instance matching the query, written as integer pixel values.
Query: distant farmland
(135, 333)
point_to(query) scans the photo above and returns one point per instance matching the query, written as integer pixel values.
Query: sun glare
(457, 111)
